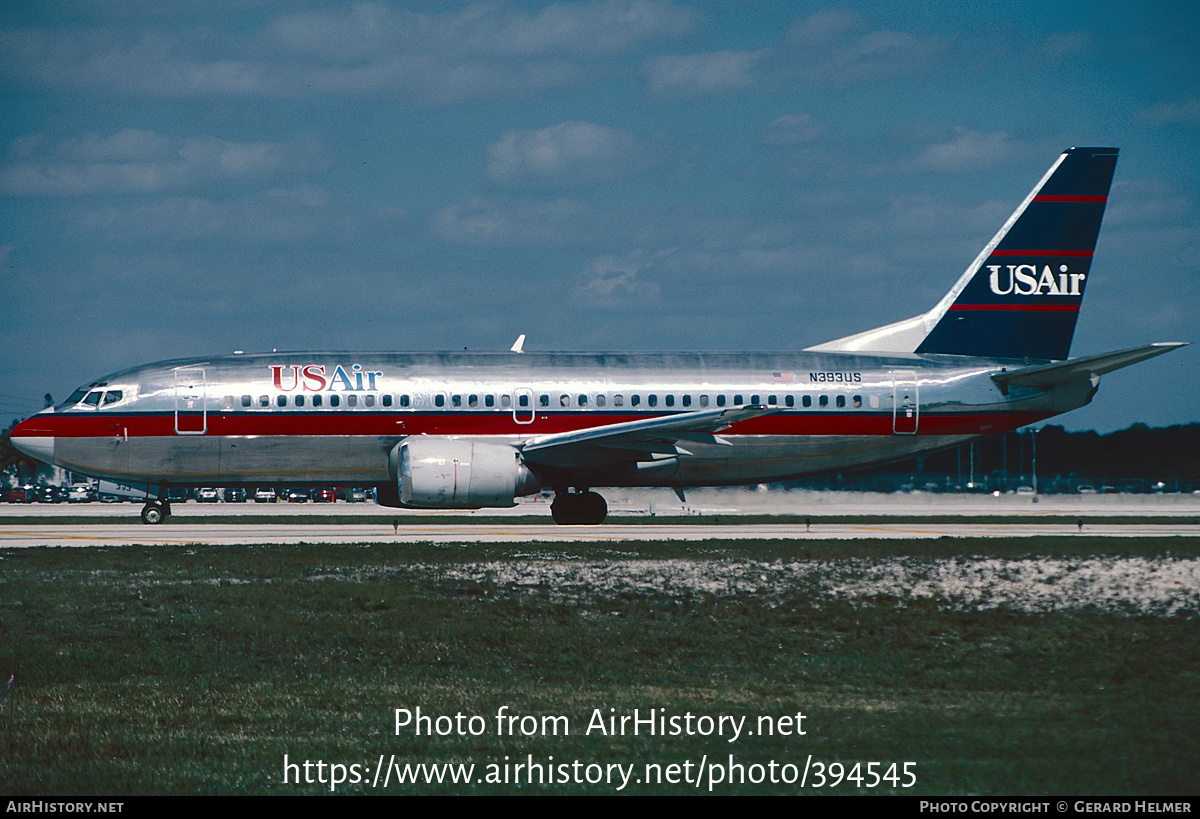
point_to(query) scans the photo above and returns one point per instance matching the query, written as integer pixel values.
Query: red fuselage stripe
(1048, 197)
(1053, 308)
(1055, 252)
(320, 424)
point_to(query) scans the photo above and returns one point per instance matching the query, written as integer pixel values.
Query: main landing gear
(581, 508)
(155, 512)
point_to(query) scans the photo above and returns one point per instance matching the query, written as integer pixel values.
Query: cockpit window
(93, 398)
(75, 398)
(112, 397)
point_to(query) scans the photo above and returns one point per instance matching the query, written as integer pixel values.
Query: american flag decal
(783, 377)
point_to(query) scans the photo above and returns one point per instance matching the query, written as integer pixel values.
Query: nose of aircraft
(33, 439)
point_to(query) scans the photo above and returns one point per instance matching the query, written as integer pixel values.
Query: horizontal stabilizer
(1048, 375)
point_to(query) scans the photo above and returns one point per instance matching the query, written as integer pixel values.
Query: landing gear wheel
(578, 508)
(154, 513)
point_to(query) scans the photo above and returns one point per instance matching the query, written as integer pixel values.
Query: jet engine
(435, 472)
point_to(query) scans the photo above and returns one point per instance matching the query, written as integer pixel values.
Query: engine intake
(435, 472)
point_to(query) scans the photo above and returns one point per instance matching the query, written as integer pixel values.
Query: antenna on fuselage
(520, 343)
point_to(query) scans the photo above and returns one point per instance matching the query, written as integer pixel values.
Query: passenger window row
(504, 401)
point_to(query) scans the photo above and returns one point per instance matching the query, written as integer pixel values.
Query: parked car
(207, 494)
(81, 493)
(297, 496)
(265, 495)
(356, 495)
(323, 496)
(177, 494)
(235, 495)
(50, 494)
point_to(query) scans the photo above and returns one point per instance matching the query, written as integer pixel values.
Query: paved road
(122, 534)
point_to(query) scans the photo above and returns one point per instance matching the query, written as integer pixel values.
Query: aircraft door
(523, 410)
(191, 405)
(906, 404)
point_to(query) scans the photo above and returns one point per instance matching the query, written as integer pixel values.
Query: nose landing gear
(580, 508)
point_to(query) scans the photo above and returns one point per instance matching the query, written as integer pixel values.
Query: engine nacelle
(435, 472)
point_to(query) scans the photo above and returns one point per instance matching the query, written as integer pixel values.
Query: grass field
(196, 669)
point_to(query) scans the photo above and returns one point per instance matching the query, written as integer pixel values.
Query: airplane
(443, 430)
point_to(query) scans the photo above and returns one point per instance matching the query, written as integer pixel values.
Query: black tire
(153, 514)
(579, 509)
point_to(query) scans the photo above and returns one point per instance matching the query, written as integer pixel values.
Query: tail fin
(1020, 297)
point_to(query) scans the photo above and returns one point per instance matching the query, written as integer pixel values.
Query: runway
(178, 534)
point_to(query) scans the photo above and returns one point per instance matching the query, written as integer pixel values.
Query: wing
(643, 440)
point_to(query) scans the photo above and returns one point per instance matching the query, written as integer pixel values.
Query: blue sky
(190, 178)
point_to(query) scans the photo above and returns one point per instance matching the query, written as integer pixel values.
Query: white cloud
(564, 154)
(355, 50)
(1166, 113)
(137, 161)
(689, 76)
(830, 47)
(793, 129)
(294, 215)
(968, 151)
(613, 281)
(479, 221)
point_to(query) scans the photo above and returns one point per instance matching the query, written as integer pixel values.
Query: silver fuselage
(332, 418)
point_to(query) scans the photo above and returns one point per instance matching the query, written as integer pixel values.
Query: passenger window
(352, 400)
(439, 400)
(858, 402)
(652, 400)
(754, 399)
(335, 400)
(790, 400)
(113, 396)
(299, 400)
(704, 400)
(583, 400)
(245, 401)
(544, 400)
(687, 400)
(600, 399)
(473, 401)
(317, 400)
(772, 400)
(874, 400)
(405, 401)
(720, 400)
(456, 400)
(369, 400)
(618, 400)
(670, 400)
(737, 400)
(506, 401)
(264, 400)
(489, 400)
(564, 400)
(522, 400)
(806, 401)
(841, 400)
(387, 400)
(634, 400)
(226, 402)
(281, 401)
(823, 400)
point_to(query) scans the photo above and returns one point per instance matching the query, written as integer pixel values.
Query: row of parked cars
(87, 493)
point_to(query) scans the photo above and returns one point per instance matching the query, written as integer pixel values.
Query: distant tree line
(1136, 458)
